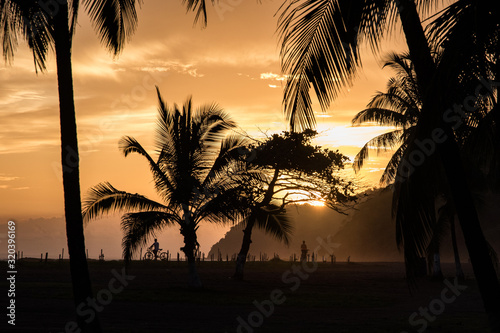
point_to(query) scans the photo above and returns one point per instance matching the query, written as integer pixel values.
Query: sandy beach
(276, 296)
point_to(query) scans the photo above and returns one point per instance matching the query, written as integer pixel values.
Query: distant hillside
(309, 223)
(366, 234)
(370, 232)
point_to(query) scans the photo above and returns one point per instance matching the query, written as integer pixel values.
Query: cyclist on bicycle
(156, 248)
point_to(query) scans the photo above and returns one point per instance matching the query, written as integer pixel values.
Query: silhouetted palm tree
(195, 175)
(321, 48)
(47, 25)
(400, 107)
(51, 25)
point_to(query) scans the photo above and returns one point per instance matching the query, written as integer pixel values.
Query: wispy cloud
(166, 66)
(272, 76)
(7, 178)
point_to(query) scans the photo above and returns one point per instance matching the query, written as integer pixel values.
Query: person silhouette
(156, 247)
(303, 250)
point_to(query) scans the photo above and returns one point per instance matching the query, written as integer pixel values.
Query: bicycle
(149, 255)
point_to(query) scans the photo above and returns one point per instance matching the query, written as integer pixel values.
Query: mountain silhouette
(367, 233)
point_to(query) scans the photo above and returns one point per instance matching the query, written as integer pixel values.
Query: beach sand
(341, 297)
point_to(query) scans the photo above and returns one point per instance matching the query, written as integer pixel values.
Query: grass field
(276, 296)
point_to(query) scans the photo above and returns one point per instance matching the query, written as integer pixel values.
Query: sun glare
(317, 203)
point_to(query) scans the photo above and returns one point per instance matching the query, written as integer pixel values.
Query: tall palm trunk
(247, 232)
(477, 247)
(189, 249)
(80, 279)
(450, 156)
(437, 272)
(458, 266)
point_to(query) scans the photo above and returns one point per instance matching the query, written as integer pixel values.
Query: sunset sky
(233, 62)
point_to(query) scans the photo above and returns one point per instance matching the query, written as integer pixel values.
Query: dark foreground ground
(355, 297)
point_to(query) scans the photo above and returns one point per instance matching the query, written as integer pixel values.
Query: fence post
(46, 256)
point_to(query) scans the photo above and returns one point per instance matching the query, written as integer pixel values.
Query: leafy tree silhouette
(298, 173)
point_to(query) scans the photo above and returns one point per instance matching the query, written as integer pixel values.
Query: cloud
(7, 178)
(272, 76)
(165, 66)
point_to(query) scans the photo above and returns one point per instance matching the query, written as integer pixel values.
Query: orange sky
(234, 62)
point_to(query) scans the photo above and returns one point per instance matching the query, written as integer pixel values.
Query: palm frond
(382, 142)
(275, 222)
(320, 47)
(391, 169)
(312, 52)
(163, 184)
(383, 117)
(440, 230)
(414, 222)
(28, 19)
(230, 154)
(214, 122)
(440, 28)
(416, 187)
(200, 7)
(114, 20)
(104, 199)
(223, 206)
(139, 227)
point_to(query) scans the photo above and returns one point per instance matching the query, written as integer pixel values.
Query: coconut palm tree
(195, 175)
(320, 47)
(50, 25)
(47, 25)
(400, 107)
